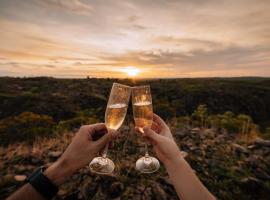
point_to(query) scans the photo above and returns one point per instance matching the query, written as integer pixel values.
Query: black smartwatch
(42, 183)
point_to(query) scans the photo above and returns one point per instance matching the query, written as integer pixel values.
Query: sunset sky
(120, 38)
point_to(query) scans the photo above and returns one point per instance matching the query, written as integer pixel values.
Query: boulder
(209, 133)
(20, 168)
(262, 143)
(180, 133)
(54, 154)
(20, 178)
(261, 174)
(62, 192)
(251, 184)
(195, 130)
(253, 161)
(36, 161)
(23, 168)
(238, 148)
(158, 192)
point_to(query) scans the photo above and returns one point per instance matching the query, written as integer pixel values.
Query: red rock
(20, 178)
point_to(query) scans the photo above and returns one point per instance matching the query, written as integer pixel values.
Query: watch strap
(42, 183)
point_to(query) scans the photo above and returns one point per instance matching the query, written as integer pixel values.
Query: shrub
(25, 127)
(74, 123)
(200, 114)
(266, 134)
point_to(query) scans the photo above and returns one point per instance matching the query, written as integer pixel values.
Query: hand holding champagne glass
(114, 117)
(143, 116)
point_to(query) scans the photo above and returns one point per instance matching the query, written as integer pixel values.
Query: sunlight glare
(131, 71)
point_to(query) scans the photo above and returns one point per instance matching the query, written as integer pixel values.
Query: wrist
(58, 172)
(175, 163)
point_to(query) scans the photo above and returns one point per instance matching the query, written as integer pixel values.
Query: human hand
(159, 135)
(80, 152)
(178, 169)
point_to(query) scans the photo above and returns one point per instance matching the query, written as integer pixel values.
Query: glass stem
(104, 153)
(146, 150)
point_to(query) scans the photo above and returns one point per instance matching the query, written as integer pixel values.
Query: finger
(98, 127)
(152, 134)
(105, 139)
(157, 119)
(155, 127)
(163, 128)
(97, 135)
(139, 130)
(96, 131)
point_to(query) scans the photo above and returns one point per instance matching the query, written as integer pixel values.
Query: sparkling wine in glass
(143, 116)
(114, 116)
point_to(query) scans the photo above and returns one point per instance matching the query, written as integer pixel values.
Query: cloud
(131, 22)
(29, 42)
(186, 44)
(59, 70)
(76, 6)
(251, 61)
(162, 38)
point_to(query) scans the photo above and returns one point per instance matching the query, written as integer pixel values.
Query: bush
(74, 123)
(25, 127)
(266, 134)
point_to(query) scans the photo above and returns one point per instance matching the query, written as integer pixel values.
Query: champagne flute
(143, 116)
(115, 114)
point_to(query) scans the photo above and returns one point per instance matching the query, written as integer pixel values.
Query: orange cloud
(164, 39)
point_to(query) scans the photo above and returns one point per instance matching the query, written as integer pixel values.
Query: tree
(229, 122)
(184, 122)
(201, 114)
(215, 121)
(245, 122)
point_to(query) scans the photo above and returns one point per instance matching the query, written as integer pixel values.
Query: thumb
(104, 140)
(149, 133)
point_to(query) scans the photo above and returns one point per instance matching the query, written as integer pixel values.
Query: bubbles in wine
(115, 115)
(143, 114)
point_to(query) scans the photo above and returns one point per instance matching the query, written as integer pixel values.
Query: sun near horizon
(131, 71)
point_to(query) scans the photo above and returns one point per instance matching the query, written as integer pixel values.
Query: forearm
(57, 173)
(186, 183)
(26, 192)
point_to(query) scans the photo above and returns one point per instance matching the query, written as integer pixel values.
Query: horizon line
(128, 78)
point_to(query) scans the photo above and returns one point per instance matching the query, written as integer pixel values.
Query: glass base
(101, 165)
(147, 164)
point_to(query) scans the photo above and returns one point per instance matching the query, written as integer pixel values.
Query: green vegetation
(217, 121)
(63, 98)
(238, 105)
(25, 127)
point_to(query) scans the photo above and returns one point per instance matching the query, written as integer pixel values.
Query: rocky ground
(228, 169)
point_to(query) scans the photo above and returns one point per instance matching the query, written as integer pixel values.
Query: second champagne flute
(114, 117)
(143, 116)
